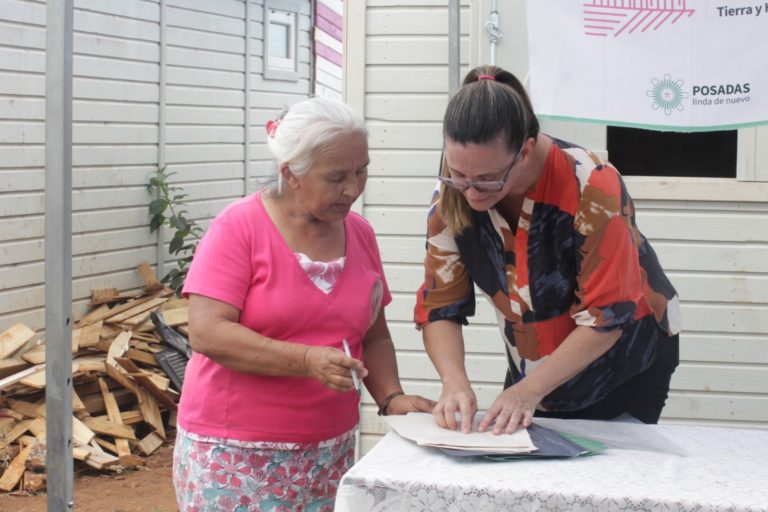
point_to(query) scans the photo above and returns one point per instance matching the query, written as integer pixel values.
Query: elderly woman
(280, 281)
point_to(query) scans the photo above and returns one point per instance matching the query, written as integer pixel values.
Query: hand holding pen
(355, 379)
(332, 367)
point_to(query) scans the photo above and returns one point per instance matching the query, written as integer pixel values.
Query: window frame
(284, 13)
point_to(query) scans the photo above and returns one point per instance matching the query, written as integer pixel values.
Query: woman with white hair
(280, 281)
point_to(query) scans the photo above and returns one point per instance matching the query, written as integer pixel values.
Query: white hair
(307, 127)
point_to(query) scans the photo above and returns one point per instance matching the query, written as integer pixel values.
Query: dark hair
(482, 110)
(485, 108)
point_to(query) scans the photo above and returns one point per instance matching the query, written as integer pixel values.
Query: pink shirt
(243, 260)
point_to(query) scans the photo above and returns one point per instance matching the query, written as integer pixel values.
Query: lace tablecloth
(704, 469)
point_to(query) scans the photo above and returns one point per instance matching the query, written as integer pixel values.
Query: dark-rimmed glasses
(464, 184)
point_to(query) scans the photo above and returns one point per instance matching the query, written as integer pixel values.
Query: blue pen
(355, 380)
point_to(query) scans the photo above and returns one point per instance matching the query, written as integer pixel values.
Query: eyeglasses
(464, 184)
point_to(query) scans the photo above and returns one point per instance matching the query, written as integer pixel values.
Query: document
(421, 428)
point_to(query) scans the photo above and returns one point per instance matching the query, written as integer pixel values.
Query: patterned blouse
(576, 258)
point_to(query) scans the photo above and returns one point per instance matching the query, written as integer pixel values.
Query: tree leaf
(156, 223)
(176, 244)
(158, 206)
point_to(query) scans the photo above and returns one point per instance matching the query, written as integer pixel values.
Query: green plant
(169, 208)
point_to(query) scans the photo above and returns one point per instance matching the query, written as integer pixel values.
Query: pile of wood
(123, 402)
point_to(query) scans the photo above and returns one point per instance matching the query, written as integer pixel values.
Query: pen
(355, 380)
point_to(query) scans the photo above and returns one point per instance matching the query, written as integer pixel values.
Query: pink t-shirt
(243, 260)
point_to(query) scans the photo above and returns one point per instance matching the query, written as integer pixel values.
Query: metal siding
(116, 111)
(712, 242)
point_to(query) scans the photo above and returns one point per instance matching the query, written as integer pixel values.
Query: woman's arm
(515, 406)
(383, 378)
(444, 343)
(215, 331)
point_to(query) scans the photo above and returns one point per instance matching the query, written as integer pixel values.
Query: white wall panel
(117, 111)
(711, 235)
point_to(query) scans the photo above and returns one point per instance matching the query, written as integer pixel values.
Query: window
(638, 152)
(281, 40)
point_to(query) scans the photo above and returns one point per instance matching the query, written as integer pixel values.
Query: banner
(678, 65)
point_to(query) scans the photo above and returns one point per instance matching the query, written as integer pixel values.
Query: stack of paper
(421, 428)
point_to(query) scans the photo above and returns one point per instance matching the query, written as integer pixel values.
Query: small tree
(169, 208)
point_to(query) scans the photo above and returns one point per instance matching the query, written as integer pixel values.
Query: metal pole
(247, 103)
(454, 52)
(58, 253)
(161, 125)
(493, 31)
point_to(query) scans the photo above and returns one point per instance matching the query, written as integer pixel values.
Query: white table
(670, 468)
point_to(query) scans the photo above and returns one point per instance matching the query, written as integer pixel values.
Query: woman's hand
(512, 408)
(402, 404)
(333, 367)
(456, 398)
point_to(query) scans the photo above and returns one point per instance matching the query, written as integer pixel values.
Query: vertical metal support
(494, 31)
(161, 123)
(247, 102)
(454, 46)
(58, 253)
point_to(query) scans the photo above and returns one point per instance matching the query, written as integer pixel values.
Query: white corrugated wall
(118, 135)
(711, 235)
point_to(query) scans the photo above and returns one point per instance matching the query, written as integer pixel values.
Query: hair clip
(486, 77)
(272, 127)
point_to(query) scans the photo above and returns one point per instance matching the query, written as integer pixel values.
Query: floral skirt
(211, 474)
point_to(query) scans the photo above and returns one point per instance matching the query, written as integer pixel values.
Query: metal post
(58, 253)
(161, 125)
(454, 51)
(493, 31)
(247, 103)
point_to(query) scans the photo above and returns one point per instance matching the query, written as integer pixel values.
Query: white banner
(687, 65)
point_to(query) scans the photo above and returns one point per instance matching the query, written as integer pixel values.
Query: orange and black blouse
(576, 258)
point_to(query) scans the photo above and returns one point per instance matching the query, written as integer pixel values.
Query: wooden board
(148, 381)
(35, 356)
(77, 403)
(150, 443)
(38, 426)
(90, 334)
(176, 316)
(13, 338)
(141, 357)
(136, 309)
(95, 315)
(122, 446)
(118, 347)
(103, 312)
(118, 375)
(11, 366)
(20, 429)
(101, 425)
(19, 376)
(81, 434)
(150, 411)
(13, 473)
(151, 283)
(27, 409)
(98, 458)
(75, 340)
(6, 424)
(103, 295)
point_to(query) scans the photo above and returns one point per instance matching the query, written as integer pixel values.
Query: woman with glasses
(546, 230)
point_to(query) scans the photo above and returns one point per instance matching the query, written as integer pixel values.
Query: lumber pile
(123, 402)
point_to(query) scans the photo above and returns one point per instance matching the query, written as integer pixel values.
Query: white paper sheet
(421, 428)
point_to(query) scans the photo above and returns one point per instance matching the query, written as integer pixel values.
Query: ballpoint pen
(355, 380)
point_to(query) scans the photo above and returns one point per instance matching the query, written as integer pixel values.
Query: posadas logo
(667, 94)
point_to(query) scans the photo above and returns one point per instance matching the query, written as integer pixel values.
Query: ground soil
(148, 489)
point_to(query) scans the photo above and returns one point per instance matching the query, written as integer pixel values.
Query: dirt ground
(148, 489)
